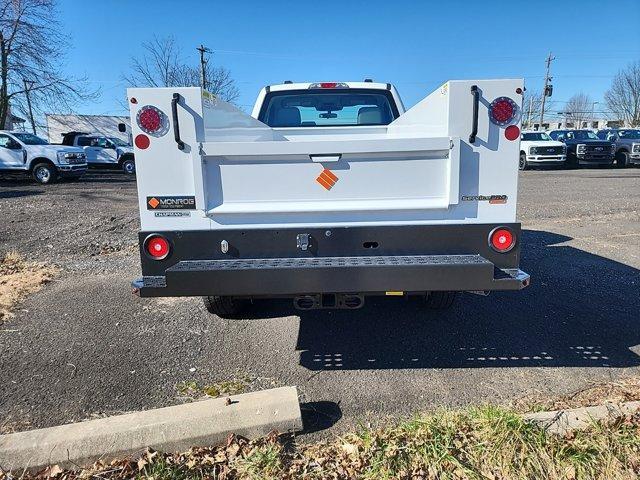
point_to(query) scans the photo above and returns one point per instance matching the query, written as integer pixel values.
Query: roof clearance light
(329, 85)
(502, 111)
(157, 247)
(502, 240)
(152, 121)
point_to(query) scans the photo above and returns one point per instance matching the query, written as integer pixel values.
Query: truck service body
(328, 192)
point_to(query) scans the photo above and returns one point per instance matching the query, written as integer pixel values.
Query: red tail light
(152, 121)
(157, 247)
(502, 111)
(502, 240)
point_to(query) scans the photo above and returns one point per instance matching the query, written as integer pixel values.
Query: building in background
(555, 121)
(106, 125)
(13, 122)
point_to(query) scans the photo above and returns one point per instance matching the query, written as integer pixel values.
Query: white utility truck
(103, 152)
(537, 149)
(25, 153)
(327, 193)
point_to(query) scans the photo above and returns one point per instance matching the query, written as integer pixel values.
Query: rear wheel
(44, 173)
(129, 166)
(523, 165)
(440, 300)
(224, 307)
(622, 159)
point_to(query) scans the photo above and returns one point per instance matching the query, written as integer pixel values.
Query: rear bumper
(295, 276)
(367, 260)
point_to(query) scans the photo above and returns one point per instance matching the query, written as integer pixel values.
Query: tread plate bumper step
(364, 274)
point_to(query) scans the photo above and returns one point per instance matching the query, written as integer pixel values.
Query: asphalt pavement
(84, 347)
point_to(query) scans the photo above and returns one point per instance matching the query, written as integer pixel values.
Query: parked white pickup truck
(539, 149)
(327, 193)
(22, 152)
(102, 151)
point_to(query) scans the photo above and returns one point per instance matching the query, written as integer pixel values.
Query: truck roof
(305, 85)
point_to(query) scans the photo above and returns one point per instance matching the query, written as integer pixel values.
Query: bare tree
(623, 98)
(32, 49)
(579, 109)
(162, 65)
(531, 106)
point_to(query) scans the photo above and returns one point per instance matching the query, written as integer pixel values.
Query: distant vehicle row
(573, 148)
(25, 153)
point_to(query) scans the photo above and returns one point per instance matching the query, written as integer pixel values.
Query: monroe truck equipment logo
(327, 179)
(171, 203)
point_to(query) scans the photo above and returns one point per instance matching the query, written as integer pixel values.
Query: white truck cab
(25, 153)
(329, 192)
(539, 149)
(102, 151)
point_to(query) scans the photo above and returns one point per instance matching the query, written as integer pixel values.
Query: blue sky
(417, 45)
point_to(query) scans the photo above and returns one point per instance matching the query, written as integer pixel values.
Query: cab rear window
(328, 108)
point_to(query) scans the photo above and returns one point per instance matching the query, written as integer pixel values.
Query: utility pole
(530, 108)
(546, 92)
(203, 62)
(27, 86)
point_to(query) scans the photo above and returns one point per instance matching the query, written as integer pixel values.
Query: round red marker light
(512, 132)
(502, 240)
(150, 119)
(142, 141)
(158, 247)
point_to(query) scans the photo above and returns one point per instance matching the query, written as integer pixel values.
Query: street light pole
(28, 84)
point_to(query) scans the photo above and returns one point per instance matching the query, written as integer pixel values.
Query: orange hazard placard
(327, 179)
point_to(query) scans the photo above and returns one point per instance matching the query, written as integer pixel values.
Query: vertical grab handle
(476, 103)
(174, 116)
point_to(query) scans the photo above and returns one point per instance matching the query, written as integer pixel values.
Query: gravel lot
(84, 346)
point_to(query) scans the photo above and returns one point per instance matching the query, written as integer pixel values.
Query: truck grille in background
(599, 149)
(548, 150)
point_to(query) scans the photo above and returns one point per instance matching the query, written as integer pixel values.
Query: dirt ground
(83, 346)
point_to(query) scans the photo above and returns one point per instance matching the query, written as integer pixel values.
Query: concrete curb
(564, 421)
(170, 429)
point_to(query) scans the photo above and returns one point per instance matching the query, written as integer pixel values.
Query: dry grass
(193, 389)
(485, 443)
(19, 278)
(624, 390)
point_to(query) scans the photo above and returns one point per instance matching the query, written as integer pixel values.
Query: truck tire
(440, 300)
(224, 307)
(622, 159)
(523, 165)
(129, 166)
(44, 173)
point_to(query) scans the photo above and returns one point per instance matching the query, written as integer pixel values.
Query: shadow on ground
(581, 310)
